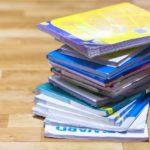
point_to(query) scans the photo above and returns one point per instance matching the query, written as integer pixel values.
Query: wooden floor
(23, 65)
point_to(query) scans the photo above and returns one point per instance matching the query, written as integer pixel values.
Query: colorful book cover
(61, 70)
(102, 71)
(55, 92)
(102, 31)
(94, 99)
(137, 79)
(46, 105)
(114, 59)
(73, 132)
(77, 122)
(53, 107)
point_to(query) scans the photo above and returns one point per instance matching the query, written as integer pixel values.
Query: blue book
(102, 71)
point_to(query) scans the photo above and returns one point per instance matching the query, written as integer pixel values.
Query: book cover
(114, 59)
(59, 94)
(104, 72)
(77, 122)
(92, 98)
(101, 31)
(72, 132)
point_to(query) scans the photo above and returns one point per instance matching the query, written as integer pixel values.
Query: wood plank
(20, 134)
(15, 107)
(3, 120)
(21, 80)
(136, 146)
(23, 146)
(59, 146)
(85, 146)
(24, 120)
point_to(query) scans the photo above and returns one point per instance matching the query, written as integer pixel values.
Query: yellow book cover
(106, 26)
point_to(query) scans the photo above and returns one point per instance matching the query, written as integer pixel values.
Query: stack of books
(101, 75)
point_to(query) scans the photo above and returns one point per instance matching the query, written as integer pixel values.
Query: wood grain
(23, 65)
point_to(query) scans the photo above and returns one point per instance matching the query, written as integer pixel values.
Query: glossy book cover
(92, 68)
(102, 31)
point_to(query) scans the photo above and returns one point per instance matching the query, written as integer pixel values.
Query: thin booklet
(69, 132)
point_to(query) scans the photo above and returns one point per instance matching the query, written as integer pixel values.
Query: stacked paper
(101, 76)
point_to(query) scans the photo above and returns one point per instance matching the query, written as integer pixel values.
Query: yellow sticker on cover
(109, 109)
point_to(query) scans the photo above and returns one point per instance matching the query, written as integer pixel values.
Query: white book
(47, 110)
(58, 131)
(56, 116)
(47, 101)
(75, 121)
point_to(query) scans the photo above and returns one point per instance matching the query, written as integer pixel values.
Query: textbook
(114, 59)
(89, 85)
(137, 126)
(47, 93)
(51, 112)
(95, 85)
(70, 132)
(103, 72)
(45, 108)
(54, 118)
(111, 92)
(102, 31)
(92, 98)
(63, 71)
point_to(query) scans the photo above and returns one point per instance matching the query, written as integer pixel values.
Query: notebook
(61, 110)
(69, 132)
(92, 98)
(93, 69)
(101, 31)
(66, 120)
(64, 71)
(127, 83)
(114, 59)
(46, 92)
(45, 107)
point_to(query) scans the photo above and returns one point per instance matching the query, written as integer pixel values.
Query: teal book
(57, 93)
